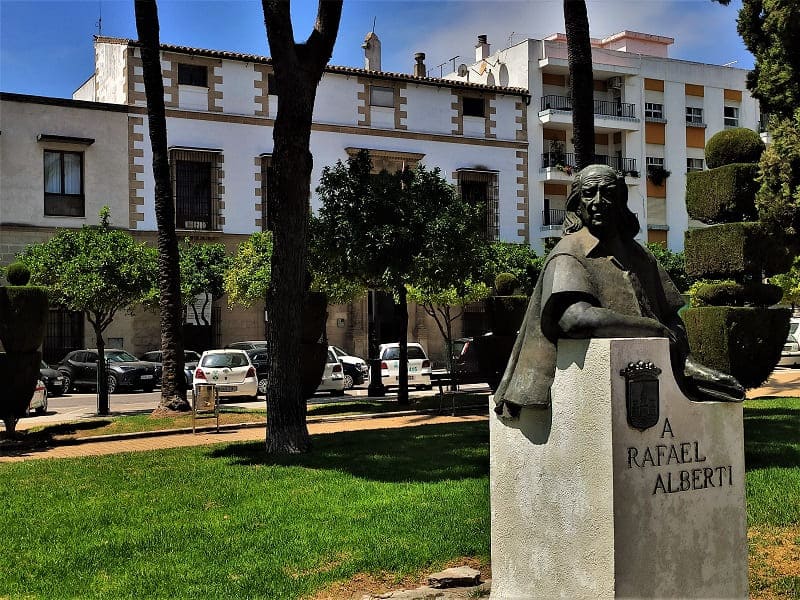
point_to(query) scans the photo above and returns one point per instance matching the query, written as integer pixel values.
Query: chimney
(372, 52)
(419, 66)
(481, 48)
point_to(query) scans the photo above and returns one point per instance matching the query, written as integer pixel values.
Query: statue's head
(598, 200)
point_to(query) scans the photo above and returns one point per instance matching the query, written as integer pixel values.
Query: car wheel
(112, 384)
(67, 383)
(348, 382)
(262, 386)
(41, 410)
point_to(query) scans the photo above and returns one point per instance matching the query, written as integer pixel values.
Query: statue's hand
(507, 410)
(711, 384)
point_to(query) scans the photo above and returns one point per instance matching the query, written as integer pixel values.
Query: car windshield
(120, 357)
(338, 351)
(458, 347)
(793, 325)
(189, 356)
(332, 357)
(414, 353)
(225, 360)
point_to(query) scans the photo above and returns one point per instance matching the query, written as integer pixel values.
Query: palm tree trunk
(579, 57)
(298, 69)
(173, 380)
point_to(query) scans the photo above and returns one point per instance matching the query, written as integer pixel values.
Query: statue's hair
(627, 221)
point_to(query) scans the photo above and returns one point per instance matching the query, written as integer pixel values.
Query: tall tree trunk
(173, 380)
(103, 404)
(298, 69)
(401, 316)
(579, 56)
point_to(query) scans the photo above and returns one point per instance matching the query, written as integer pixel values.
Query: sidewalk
(782, 382)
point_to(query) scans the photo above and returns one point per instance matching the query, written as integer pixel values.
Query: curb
(115, 437)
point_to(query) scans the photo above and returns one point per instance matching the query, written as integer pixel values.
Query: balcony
(609, 115)
(553, 217)
(559, 166)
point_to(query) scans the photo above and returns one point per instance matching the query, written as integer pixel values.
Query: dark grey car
(79, 369)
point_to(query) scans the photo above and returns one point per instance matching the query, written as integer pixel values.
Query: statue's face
(598, 195)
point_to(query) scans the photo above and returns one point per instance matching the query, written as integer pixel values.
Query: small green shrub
(505, 284)
(729, 250)
(738, 145)
(731, 293)
(18, 274)
(745, 342)
(723, 195)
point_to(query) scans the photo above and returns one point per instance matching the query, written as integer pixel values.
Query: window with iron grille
(380, 95)
(694, 115)
(694, 164)
(480, 187)
(63, 184)
(195, 183)
(64, 334)
(731, 116)
(654, 161)
(266, 173)
(193, 75)
(653, 110)
(474, 107)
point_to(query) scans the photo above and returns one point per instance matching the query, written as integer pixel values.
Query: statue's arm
(583, 320)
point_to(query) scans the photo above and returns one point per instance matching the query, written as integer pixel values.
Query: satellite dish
(462, 70)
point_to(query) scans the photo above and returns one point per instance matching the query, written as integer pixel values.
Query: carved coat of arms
(641, 394)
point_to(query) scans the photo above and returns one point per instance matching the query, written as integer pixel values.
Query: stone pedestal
(584, 505)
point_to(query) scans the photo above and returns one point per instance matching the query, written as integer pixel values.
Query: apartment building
(652, 113)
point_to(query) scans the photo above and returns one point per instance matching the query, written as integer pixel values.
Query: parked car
(465, 361)
(190, 360)
(249, 345)
(79, 369)
(52, 379)
(356, 369)
(259, 359)
(333, 376)
(230, 370)
(419, 367)
(790, 355)
(38, 402)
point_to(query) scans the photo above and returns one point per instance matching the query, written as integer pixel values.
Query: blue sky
(46, 46)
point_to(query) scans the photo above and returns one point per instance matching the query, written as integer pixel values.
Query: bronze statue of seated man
(599, 282)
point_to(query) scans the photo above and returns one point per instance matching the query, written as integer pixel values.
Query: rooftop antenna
(511, 40)
(453, 60)
(375, 18)
(441, 72)
(99, 22)
(730, 64)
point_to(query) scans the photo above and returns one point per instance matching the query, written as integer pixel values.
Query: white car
(356, 370)
(790, 355)
(38, 403)
(333, 376)
(230, 371)
(419, 367)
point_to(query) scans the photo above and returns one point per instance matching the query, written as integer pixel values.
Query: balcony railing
(601, 107)
(566, 162)
(553, 217)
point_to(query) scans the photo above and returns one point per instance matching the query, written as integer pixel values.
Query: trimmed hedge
(18, 274)
(738, 145)
(744, 342)
(727, 250)
(506, 313)
(23, 317)
(723, 195)
(730, 293)
(505, 284)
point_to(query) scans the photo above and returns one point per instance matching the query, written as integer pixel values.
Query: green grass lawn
(226, 521)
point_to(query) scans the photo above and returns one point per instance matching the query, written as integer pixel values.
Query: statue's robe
(578, 269)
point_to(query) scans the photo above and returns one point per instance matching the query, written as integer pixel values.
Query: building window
(474, 107)
(694, 115)
(653, 110)
(266, 174)
(654, 161)
(731, 116)
(272, 85)
(63, 184)
(694, 164)
(480, 187)
(193, 75)
(195, 182)
(380, 95)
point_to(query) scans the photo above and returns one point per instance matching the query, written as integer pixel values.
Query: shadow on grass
(347, 407)
(771, 437)
(425, 453)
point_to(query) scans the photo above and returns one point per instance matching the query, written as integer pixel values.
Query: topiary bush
(18, 274)
(722, 251)
(737, 145)
(731, 293)
(745, 342)
(723, 195)
(505, 284)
